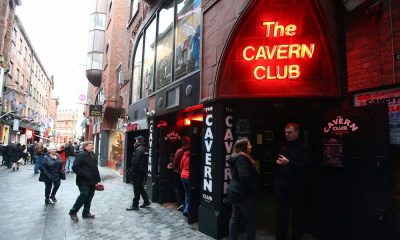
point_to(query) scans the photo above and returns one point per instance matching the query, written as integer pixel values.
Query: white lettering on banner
(340, 126)
(208, 142)
(150, 148)
(228, 143)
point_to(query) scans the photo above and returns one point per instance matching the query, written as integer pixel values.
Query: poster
(333, 152)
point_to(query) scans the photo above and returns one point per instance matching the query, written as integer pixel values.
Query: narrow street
(24, 215)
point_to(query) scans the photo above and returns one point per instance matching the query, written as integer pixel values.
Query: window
(20, 46)
(17, 76)
(94, 61)
(121, 76)
(26, 53)
(187, 37)
(98, 21)
(10, 69)
(107, 53)
(148, 61)
(165, 41)
(134, 8)
(137, 71)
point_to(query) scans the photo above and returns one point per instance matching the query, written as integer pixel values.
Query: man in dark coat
(139, 170)
(11, 152)
(291, 180)
(87, 176)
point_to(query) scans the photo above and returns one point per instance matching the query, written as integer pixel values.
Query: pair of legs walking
(138, 190)
(186, 186)
(84, 199)
(70, 163)
(51, 190)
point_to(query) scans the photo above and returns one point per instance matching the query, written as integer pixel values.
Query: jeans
(186, 186)
(51, 188)
(244, 212)
(70, 163)
(84, 199)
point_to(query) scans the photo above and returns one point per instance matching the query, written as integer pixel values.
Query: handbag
(62, 176)
(99, 187)
(42, 177)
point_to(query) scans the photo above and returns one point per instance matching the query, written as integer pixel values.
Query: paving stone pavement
(24, 215)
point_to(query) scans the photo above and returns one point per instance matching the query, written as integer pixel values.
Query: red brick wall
(370, 53)
(219, 18)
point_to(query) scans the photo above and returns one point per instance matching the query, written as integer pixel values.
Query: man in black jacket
(139, 170)
(291, 180)
(87, 176)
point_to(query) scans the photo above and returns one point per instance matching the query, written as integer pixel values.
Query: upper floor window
(171, 47)
(187, 46)
(98, 21)
(148, 61)
(137, 71)
(165, 44)
(134, 8)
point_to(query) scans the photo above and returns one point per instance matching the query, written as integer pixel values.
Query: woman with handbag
(242, 190)
(51, 173)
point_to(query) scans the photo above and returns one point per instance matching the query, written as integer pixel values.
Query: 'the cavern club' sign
(340, 126)
(278, 49)
(275, 52)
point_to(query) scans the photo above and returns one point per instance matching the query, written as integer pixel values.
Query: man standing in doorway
(139, 164)
(291, 180)
(87, 176)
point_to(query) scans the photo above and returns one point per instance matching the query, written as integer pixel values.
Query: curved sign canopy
(278, 49)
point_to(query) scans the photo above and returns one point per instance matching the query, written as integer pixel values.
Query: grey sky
(58, 31)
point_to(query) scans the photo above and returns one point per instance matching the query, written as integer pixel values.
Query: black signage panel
(95, 110)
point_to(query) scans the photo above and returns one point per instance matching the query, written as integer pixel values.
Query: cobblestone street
(24, 215)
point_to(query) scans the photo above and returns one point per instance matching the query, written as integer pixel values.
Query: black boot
(145, 204)
(47, 201)
(132, 208)
(53, 198)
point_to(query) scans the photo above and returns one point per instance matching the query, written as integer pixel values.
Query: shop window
(148, 61)
(187, 39)
(137, 71)
(165, 45)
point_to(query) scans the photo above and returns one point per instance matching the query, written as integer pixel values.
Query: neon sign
(278, 52)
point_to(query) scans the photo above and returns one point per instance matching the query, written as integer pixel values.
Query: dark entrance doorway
(354, 200)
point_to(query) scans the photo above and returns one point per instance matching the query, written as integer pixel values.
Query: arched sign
(279, 49)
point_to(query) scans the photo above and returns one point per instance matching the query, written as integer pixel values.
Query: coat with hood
(243, 184)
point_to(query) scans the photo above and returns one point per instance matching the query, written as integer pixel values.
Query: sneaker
(132, 208)
(47, 201)
(53, 198)
(145, 204)
(73, 216)
(180, 208)
(89, 215)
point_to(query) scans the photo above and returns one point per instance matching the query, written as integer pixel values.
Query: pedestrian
(139, 164)
(25, 154)
(87, 176)
(31, 151)
(51, 173)
(185, 169)
(2, 150)
(70, 154)
(38, 155)
(291, 180)
(61, 153)
(18, 157)
(242, 190)
(176, 175)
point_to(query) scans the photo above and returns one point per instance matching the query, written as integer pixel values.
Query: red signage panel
(279, 49)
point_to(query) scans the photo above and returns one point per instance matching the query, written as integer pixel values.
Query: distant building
(65, 125)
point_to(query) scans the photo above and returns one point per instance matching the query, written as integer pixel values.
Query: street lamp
(11, 112)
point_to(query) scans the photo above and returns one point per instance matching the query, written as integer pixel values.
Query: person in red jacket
(184, 167)
(61, 153)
